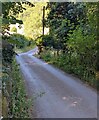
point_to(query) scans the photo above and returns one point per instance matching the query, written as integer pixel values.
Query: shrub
(18, 39)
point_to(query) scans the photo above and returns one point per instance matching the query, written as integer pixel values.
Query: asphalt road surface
(64, 95)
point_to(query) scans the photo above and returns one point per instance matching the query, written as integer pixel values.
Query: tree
(32, 19)
(63, 19)
(9, 12)
(74, 28)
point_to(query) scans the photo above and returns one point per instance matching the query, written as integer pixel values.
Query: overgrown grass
(20, 101)
(71, 65)
(18, 104)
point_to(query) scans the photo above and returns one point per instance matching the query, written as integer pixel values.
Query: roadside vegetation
(15, 102)
(72, 42)
(23, 43)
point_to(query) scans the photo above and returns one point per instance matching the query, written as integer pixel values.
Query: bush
(47, 41)
(20, 40)
(71, 64)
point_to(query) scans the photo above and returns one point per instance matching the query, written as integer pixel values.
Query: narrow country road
(65, 96)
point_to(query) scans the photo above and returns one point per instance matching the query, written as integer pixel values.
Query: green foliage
(75, 39)
(14, 91)
(14, 29)
(9, 10)
(7, 51)
(63, 19)
(71, 64)
(13, 88)
(39, 41)
(19, 40)
(47, 41)
(8, 44)
(31, 45)
(93, 16)
(20, 101)
(33, 20)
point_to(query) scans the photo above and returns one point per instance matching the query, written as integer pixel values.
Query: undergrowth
(72, 66)
(18, 103)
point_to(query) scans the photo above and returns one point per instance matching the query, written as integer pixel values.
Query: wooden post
(43, 18)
